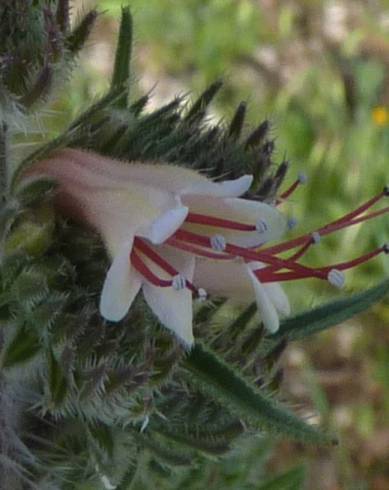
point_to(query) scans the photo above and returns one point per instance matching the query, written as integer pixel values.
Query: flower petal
(165, 225)
(241, 211)
(227, 279)
(117, 208)
(278, 298)
(173, 308)
(265, 306)
(177, 180)
(121, 285)
(227, 188)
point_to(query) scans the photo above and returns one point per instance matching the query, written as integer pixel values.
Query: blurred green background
(319, 70)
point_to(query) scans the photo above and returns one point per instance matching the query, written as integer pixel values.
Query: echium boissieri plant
(124, 241)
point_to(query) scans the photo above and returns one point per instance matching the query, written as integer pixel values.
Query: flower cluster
(175, 234)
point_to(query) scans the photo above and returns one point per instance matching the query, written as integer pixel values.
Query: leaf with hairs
(290, 480)
(77, 38)
(199, 107)
(24, 346)
(330, 314)
(56, 380)
(121, 71)
(211, 374)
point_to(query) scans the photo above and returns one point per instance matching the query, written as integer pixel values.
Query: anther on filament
(261, 226)
(316, 238)
(302, 178)
(218, 243)
(291, 223)
(336, 278)
(178, 282)
(385, 248)
(386, 190)
(202, 294)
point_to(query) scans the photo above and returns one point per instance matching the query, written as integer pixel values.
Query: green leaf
(30, 288)
(137, 107)
(258, 135)
(128, 478)
(198, 109)
(3, 157)
(170, 456)
(40, 88)
(206, 311)
(121, 71)
(238, 325)
(80, 34)
(22, 348)
(69, 136)
(57, 381)
(62, 15)
(291, 480)
(237, 122)
(330, 314)
(200, 442)
(214, 376)
(34, 191)
(103, 436)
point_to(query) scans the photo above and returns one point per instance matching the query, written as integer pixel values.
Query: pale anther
(107, 483)
(218, 243)
(292, 222)
(316, 237)
(302, 178)
(145, 423)
(178, 282)
(202, 294)
(261, 226)
(336, 278)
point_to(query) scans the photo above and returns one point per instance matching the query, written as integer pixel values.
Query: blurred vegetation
(319, 71)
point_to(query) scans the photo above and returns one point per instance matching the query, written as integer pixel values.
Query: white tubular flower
(236, 280)
(136, 208)
(172, 232)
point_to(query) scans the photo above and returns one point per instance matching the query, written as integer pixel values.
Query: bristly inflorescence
(89, 401)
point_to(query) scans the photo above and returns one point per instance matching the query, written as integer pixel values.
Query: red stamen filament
(198, 250)
(268, 274)
(202, 219)
(158, 260)
(201, 245)
(350, 219)
(247, 254)
(142, 268)
(289, 191)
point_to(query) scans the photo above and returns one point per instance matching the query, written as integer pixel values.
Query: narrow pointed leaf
(69, 136)
(199, 442)
(214, 376)
(168, 455)
(22, 348)
(62, 15)
(330, 314)
(121, 71)
(238, 325)
(57, 381)
(32, 192)
(258, 135)
(80, 34)
(237, 122)
(137, 107)
(40, 87)
(291, 480)
(3, 157)
(128, 478)
(201, 104)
